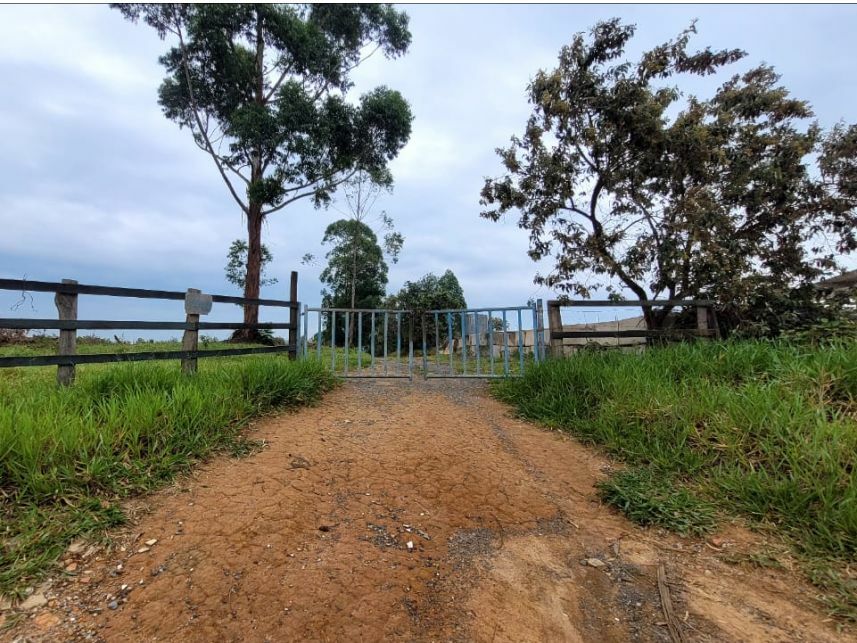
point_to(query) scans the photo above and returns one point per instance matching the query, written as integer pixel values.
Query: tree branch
(598, 235)
(225, 164)
(202, 130)
(303, 195)
(286, 70)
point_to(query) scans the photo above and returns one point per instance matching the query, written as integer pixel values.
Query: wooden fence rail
(196, 304)
(706, 320)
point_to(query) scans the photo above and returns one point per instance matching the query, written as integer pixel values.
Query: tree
(262, 90)
(714, 199)
(361, 194)
(356, 273)
(236, 264)
(431, 293)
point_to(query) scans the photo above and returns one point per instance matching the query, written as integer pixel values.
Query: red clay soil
(420, 512)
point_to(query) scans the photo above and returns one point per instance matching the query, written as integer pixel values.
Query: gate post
(293, 315)
(555, 326)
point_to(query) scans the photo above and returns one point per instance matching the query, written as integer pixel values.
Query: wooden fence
(706, 321)
(196, 304)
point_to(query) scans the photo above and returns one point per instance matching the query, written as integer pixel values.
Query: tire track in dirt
(308, 540)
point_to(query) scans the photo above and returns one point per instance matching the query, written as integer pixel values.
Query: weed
(242, 446)
(652, 499)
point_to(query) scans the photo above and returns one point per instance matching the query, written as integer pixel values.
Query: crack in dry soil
(308, 540)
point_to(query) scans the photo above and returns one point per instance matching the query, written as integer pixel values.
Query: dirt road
(410, 511)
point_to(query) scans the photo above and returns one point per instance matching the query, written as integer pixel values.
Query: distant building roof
(843, 281)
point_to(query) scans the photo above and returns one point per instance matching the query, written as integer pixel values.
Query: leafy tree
(430, 293)
(236, 264)
(356, 273)
(262, 90)
(361, 194)
(617, 175)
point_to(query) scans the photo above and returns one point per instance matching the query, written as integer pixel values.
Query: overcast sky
(96, 185)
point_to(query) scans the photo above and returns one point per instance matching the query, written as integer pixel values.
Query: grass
(651, 499)
(763, 430)
(68, 456)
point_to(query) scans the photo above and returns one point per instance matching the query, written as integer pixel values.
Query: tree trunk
(253, 274)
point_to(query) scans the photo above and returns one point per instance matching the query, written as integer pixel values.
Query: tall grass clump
(66, 455)
(767, 430)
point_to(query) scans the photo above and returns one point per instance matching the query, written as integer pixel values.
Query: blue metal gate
(461, 343)
(356, 343)
(481, 342)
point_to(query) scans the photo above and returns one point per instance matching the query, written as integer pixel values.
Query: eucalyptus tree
(620, 175)
(263, 91)
(360, 194)
(355, 275)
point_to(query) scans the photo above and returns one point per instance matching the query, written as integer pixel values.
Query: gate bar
(477, 335)
(436, 340)
(425, 344)
(491, 341)
(319, 339)
(411, 346)
(398, 342)
(347, 333)
(464, 341)
(449, 333)
(372, 340)
(505, 345)
(386, 324)
(484, 310)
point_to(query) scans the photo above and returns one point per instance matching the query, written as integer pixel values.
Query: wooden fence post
(293, 316)
(555, 326)
(190, 339)
(66, 304)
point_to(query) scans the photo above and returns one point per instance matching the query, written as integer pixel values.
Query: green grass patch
(653, 499)
(759, 429)
(67, 456)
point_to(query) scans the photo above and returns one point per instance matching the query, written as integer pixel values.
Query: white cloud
(77, 233)
(95, 179)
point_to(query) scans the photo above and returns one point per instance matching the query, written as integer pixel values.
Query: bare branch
(286, 70)
(304, 195)
(202, 129)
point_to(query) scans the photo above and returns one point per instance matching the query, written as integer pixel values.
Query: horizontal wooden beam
(104, 358)
(97, 324)
(665, 332)
(25, 285)
(628, 304)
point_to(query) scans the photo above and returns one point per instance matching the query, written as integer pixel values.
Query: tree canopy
(262, 89)
(619, 175)
(430, 293)
(355, 275)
